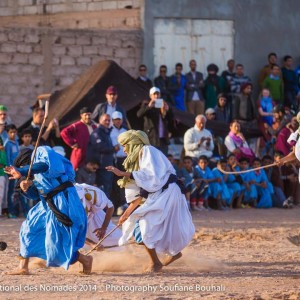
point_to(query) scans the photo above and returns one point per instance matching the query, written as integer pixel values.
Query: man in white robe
(99, 222)
(163, 222)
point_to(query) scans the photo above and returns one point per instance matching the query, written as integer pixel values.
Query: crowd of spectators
(226, 98)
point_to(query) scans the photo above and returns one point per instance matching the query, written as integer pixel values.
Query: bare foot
(153, 268)
(171, 259)
(87, 262)
(18, 272)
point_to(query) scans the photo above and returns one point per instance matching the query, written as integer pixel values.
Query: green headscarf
(134, 141)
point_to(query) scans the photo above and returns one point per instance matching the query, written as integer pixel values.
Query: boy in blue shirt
(12, 150)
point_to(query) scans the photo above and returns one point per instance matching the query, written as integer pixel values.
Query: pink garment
(281, 141)
(244, 151)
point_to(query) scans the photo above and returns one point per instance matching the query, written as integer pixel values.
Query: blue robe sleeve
(31, 193)
(36, 169)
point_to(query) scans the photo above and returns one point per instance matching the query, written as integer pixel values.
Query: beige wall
(42, 53)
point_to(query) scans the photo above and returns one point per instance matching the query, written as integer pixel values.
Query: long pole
(107, 235)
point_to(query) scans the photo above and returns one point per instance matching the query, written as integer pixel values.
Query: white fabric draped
(94, 205)
(164, 218)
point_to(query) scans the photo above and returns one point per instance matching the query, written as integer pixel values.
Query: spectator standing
(158, 120)
(198, 141)
(26, 138)
(275, 84)
(194, 85)
(214, 85)
(109, 106)
(290, 83)
(3, 180)
(77, 137)
(238, 79)
(228, 74)
(50, 135)
(177, 88)
(12, 151)
(101, 149)
(266, 70)
(118, 195)
(143, 79)
(163, 82)
(3, 122)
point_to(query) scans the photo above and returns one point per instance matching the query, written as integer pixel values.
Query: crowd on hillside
(93, 139)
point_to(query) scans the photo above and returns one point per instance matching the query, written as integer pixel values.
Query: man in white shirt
(198, 140)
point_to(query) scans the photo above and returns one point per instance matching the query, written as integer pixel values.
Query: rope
(247, 171)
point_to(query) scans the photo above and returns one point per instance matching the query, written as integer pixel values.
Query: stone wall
(33, 7)
(45, 45)
(39, 60)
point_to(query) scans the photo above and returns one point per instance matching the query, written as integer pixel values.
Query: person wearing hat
(214, 84)
(3, 122)
(109, 106)
(158, 119)
(210, 114)
(77, 137)
(118, 195)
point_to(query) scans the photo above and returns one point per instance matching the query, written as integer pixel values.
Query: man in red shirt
(77, 136)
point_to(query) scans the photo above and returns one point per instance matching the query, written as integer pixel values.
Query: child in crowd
(87, 173)
(234, 182)
(2, 174)
(215, 189)
(26, 138)
(250, 192)
(227, 194)
(12, 151)
(263, 186)
(195, 186)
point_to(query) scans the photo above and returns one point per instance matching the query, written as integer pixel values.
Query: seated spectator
(275, 177)
(282, 142)
(198, 141)
(215, 189)
(87, 173)
(264, 188)
(222, 109)
(195, 187)
(250, 191)
(237, 144)
(172, 160)
(227, 194)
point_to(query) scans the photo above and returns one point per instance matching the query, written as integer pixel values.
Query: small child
(87, 173)
(250, 191)
(215, 189)
(263, 186)
(266, 106)
(2, 174)
(26, 138)
(193, 185)
(234, 182)
(12, 151)
(227, 194)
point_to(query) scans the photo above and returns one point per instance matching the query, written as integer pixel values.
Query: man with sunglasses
(143, 79)
(109, 106)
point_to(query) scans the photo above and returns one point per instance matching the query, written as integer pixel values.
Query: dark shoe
(11, 216)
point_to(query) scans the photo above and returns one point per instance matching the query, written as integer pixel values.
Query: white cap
(154, 90)
(209, 111)
(117, 115)
(60, 150)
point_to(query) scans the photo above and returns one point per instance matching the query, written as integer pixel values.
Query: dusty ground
(244, 253)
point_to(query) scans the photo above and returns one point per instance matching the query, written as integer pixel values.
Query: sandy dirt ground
(238, 254)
